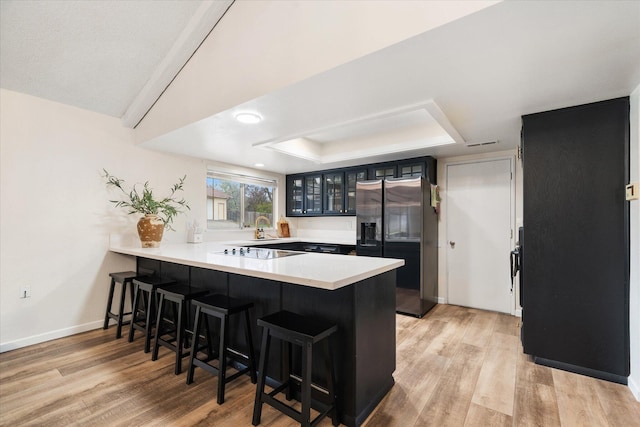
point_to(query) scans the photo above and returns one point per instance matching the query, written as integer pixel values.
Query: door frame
(512, 214)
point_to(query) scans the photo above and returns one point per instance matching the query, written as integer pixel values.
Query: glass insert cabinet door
(351, 179)
(333, 192)
(385, 172)
(296, 196)
(411, 170)
(313, 187)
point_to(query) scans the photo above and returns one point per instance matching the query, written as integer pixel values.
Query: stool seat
(297, 327)
(143, 318)
(223, 303)
(153, 282)
(305, 332)
(123, 275)
(183, 292)
(176, 337)
(123, 278)
(221, 307)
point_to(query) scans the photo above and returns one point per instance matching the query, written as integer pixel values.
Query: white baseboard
(634, 387)
(48, 336)
(518, 312)
(442, 300)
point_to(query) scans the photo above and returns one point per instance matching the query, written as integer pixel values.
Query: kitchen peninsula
(356, 293)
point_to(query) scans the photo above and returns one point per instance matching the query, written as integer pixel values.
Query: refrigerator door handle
(511, 265)
(514, 259)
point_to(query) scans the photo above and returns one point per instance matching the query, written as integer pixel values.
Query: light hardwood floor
(455, 367)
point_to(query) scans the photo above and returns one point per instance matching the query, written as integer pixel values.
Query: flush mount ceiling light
(258, 165)
(248, 118)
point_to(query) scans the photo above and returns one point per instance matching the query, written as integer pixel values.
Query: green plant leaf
(144, 203)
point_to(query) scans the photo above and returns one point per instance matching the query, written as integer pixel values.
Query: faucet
(259, 233)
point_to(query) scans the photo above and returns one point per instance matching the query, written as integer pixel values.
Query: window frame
(243, 180)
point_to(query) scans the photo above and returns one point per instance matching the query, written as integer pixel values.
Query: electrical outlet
(25, 292)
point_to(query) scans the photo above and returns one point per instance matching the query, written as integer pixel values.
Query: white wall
(634, 233)
(55, 217)
(334, 229)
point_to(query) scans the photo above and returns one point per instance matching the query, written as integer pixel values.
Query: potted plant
(158, 212)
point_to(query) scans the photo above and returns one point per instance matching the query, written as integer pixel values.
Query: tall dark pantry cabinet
(575, 266)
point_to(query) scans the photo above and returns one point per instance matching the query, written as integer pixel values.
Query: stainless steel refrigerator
(395, 220)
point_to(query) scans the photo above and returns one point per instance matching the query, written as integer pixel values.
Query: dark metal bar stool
(143, 318)
(305, 332)
(221, 307)
(123, 278)
(175, 337)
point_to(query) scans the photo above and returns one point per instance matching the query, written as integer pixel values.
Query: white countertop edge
(382, 265)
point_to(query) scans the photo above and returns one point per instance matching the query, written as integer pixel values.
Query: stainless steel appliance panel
(395, 220)
(369, 218)
(403, 202)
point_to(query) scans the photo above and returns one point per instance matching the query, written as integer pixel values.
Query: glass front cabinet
(410, 170)
(383, 171)
(333, 192)
(340, 191)
(295, 195)
(313, 194)
(304, 195)
(351, 177)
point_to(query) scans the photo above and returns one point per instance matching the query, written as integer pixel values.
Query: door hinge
(511, 233)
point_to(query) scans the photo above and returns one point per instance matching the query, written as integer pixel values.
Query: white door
(479, 224)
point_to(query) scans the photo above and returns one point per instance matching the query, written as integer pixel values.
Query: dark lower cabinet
(575, 289)
(325, 248)
(364, 346)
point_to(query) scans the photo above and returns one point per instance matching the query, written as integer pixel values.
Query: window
(236, 201)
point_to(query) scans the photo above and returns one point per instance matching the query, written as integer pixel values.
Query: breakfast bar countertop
(318, 270)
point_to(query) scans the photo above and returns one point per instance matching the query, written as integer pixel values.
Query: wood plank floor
(456, 367)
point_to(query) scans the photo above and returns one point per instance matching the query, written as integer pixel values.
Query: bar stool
(143, 319)
(123, 278)
(221, 307)
(305, 332)
(178, 296)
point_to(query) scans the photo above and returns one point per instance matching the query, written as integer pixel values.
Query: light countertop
(318, 270)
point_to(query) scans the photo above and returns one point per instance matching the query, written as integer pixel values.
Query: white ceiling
(481, 72)
(103, 56)
(484, 71)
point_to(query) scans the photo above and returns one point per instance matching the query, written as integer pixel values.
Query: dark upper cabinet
(295, 195)
(424, 166)
(351, 177)
(410, 169)
(421, 166)
(313, 194)
(304, 194)
(382, 171)
(333, 192)
(339, 192)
